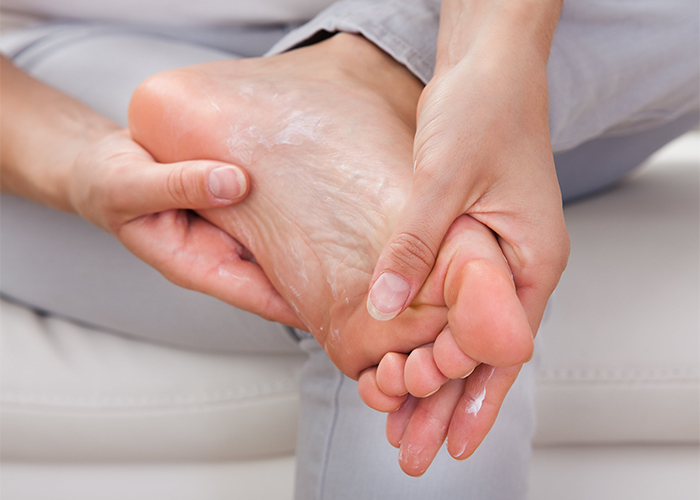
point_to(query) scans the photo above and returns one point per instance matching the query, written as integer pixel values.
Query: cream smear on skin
(293, 129)
(298, 129)
(474, 395)
(288, 133)
(475, 398)
(476, 403)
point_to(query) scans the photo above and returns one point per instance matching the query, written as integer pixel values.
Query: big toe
(485, 315)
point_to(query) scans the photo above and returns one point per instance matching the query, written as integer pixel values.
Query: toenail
(226, 183)
(387, 296)
(431, 393)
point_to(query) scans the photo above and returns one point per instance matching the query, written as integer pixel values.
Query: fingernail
(387, 296)
(460, 451)
(226, 183)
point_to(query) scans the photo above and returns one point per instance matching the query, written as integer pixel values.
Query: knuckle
(409, 251)
(525, 352)
(552, 254)
(427, 168)
(115, 186)
(565, 249)
(558, 251)
(180, 187)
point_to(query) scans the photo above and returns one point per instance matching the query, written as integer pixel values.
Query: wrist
(87, 163)
(501, 30)
(43, 131)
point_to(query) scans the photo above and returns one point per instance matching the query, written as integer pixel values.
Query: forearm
(504, 31)
(42, 131)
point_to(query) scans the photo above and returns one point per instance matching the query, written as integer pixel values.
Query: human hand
(482, 148)
(60, 153)
(475, 280)
(147, 206)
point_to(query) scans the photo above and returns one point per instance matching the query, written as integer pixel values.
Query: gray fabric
(343, 453)
(619, 70)
(405, 29)
(598, 164)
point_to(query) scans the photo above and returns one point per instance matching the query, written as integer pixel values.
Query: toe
(372, 396)
(427, 428)
(421, 374)
(449, 358)
(390, 378)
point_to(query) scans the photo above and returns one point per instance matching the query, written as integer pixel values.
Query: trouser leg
(343, 452)
(601, 162)
(621, 67)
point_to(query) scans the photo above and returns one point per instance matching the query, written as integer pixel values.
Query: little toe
(372, 395)
(390, 378)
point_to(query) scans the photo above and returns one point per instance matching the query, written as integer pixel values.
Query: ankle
(359, 59)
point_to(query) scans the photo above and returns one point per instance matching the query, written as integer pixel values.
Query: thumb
(193, 185)
(410, 253)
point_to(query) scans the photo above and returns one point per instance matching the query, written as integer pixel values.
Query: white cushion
(75, 393)
(639, 472)
(622, 339)
(570, 473)
(270, 479)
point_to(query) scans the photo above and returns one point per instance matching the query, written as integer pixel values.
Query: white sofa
(92, 415)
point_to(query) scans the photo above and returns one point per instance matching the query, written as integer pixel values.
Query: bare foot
(325, 134)
(326, 140)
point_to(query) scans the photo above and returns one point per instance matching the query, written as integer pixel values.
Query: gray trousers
(623, 79)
